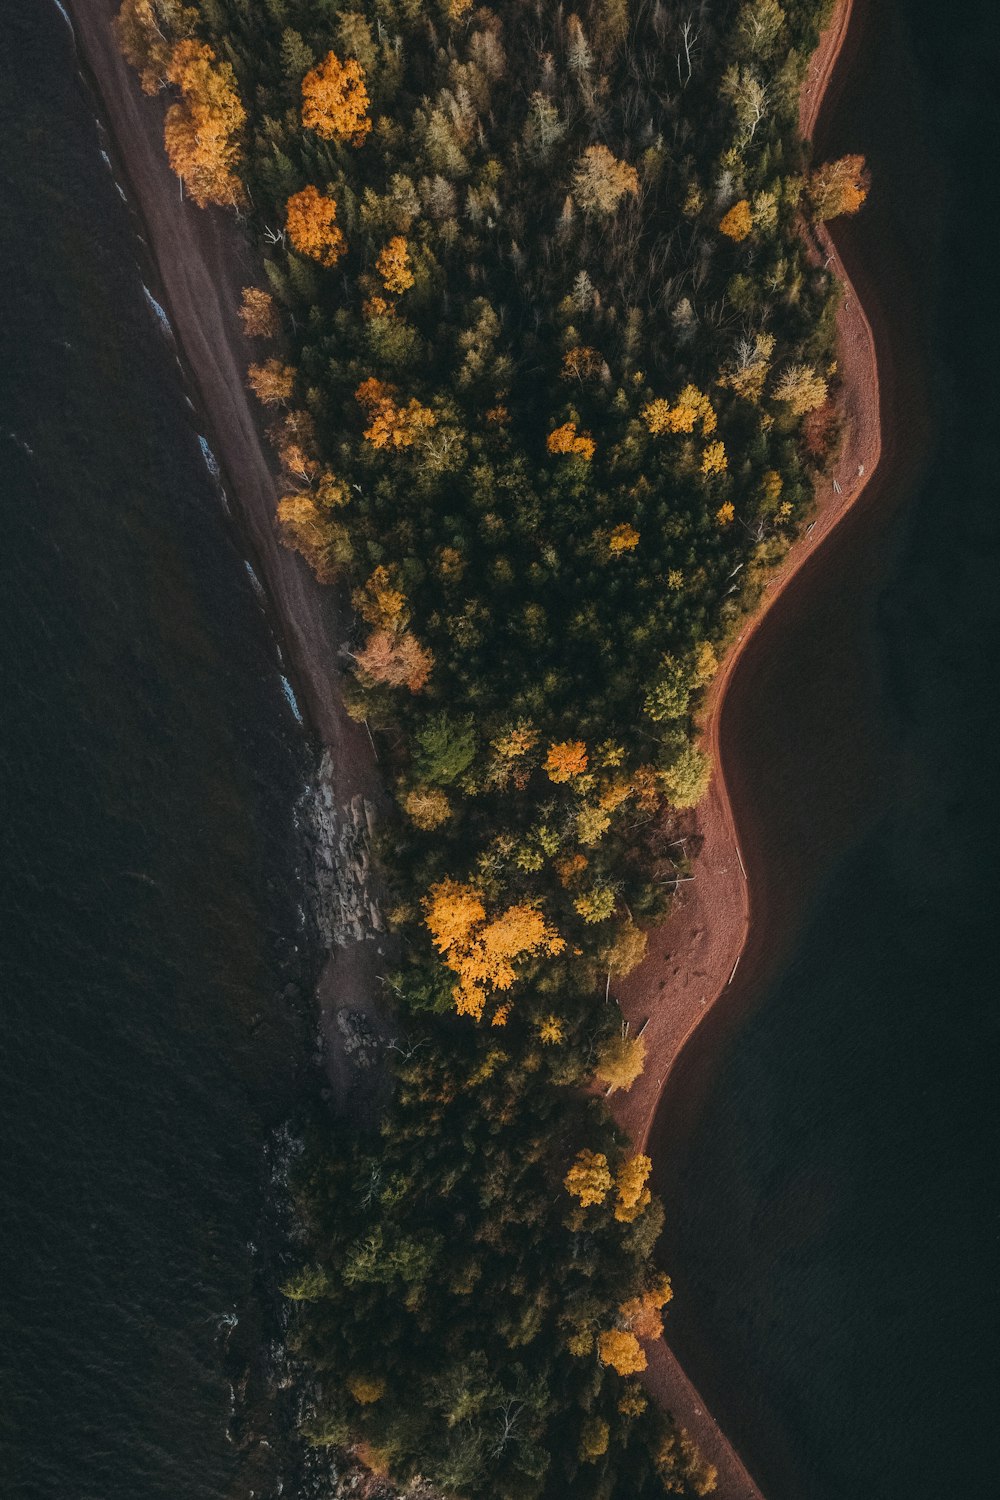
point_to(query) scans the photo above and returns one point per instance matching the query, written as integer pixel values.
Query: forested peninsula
(546, 355)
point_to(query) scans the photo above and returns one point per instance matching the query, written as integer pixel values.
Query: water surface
(150, 765)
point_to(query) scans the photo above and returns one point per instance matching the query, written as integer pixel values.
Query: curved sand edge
(715, 926)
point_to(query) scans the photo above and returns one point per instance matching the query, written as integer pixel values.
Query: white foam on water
(287, 689)
(211, 462)
(258, 587)
(159, 313)
(65, 15)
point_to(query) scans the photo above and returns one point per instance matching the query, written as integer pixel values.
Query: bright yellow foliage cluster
(691, 406)
(738, 222)
(311, 221)
(393, 265)
(713, 460)
(589, 1178)
(482, 952)
(391, 425)
(631, 1193)
(624, 538)
(335, 101)
(366, 1389)
(566, 439)
(601, 181)
(622, 1351)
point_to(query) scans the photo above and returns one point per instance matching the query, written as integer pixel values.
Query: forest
(546, 357)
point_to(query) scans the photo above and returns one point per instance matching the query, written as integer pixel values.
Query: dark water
(834, 1239)
(150, 764)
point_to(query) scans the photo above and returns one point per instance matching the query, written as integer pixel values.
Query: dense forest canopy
(548, 365)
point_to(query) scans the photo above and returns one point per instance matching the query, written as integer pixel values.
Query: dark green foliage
(567, 597)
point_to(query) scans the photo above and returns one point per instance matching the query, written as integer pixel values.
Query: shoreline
(731, 926)
(202, 259)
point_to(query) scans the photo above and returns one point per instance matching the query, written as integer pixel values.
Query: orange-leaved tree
(311, 220)
(395, 658)
(201, 128)
(839, 187)
(393, 265)
(566, 439)
(389, 424)
(644, 1315)
(566, 759)
(335, 100)
(738, 222)
(258, 314)
(482, 951)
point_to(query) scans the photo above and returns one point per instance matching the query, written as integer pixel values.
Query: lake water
(833, 1229)
(155, 1024)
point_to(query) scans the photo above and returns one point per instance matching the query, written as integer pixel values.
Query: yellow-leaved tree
(482, 951)
(589, 1178)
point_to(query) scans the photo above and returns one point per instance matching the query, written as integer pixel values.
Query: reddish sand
(726, 931)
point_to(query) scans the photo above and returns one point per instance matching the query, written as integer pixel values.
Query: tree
(594, 1437)
(200, 130)
(691, 406)
(620, 1060)
(427, 806)
(311, 220)
(565, 439)
(445, 748)
(479, 950)
(589, 1178)
(839, 187)
(325, 545)
(595, 905)
(713, 459)
(366, 1389)
(335, 100)
(393, 265)
(631, 1192)
(389, 424)
(622, 1351)
(259, 314)
(624, 538)
(686, 780)
(738, 222)
(601, 181)
(143, 30)
(272, 382)
(802, 387)
(395, 659)
(565, 760)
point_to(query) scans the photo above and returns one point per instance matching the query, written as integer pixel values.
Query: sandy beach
(769, 830)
